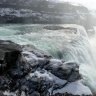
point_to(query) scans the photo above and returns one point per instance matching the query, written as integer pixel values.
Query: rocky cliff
(27, 71)
(43, 11)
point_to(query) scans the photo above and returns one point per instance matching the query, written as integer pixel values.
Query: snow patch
(76, 88)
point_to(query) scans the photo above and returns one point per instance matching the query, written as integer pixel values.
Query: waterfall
(68, 45)
(83, 51)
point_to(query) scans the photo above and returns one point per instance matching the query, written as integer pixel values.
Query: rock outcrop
(9, 54)
(28, 71)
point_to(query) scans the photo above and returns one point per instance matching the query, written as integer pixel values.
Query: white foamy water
(63, 44)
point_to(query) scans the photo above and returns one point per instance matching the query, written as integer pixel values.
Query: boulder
(9, 54)
(35, 51)
(29, 71)
(68, 70)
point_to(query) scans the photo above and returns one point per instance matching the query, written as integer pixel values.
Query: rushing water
(62, 44)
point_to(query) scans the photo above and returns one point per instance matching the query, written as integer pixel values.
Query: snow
(75, 4)
(8, 93)
(39, 75)
(76, 88)
(18, 13)
(55, 63)
(31, 13)
(48, 76)
(30, 55)
(58, 80)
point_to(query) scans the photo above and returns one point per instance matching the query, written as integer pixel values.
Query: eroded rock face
(32, 72)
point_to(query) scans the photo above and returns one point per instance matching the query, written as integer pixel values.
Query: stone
(35, 51)
(68, 71)
(33, 72)
(9, 54)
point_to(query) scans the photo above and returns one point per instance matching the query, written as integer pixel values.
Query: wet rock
(35, 51)
(9, 54)
(35, 94)
(33, 72)
(68, 71)
(42, 62)
(1, 93)
(4, 82)
(43, 81)
(67, 94)
(76, 88)
(54, 27)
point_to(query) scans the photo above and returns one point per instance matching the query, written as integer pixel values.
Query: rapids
(63, 44)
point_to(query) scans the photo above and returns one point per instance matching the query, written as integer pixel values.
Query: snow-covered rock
(36, 73)
(75, 88)
(38, 11)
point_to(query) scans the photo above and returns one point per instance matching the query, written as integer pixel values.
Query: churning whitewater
(72, 44)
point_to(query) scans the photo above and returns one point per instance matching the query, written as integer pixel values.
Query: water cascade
(67, 44)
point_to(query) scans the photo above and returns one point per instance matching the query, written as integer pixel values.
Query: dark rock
(34, 85)
(9, 45)
(35, 94)
(33, 71)
(68, 71)
(42, 62)
(4, 82)
(1, 93)
(35, 51)
(9, 54)
(67, 94)
(54, 27)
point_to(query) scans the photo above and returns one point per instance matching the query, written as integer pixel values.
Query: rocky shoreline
(27, 71)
